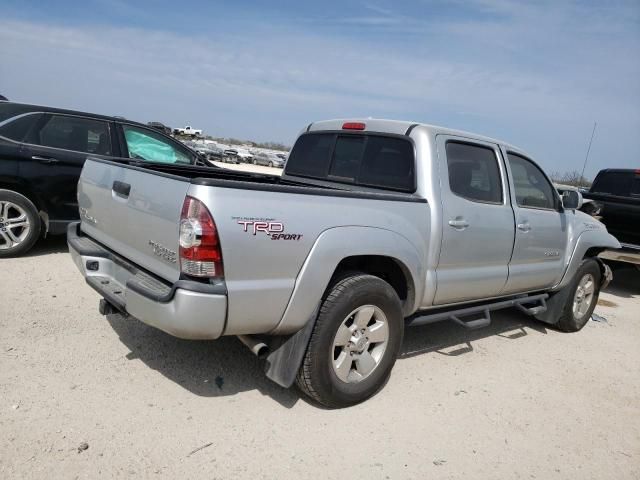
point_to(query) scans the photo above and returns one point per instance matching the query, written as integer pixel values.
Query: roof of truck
(400, 127)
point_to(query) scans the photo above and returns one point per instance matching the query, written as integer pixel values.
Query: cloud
(528, 74)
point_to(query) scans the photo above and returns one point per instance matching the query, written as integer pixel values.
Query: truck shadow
(450, 339)
(225, 367)
(220, 368)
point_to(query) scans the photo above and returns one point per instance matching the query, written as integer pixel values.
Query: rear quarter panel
(261, 270)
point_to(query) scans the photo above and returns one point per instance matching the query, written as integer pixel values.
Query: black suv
(42, 151)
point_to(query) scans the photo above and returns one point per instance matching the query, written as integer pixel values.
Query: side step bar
(458, 316)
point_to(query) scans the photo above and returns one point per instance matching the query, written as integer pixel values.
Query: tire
(13, 207)
(271, 164)
(355, 301)
(573, 319)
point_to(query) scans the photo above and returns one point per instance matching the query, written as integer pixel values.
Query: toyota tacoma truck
(374, 226)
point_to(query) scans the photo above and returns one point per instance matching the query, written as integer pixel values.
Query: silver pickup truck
(374, 225)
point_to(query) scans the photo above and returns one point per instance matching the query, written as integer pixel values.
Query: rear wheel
(582, 298)
(19, 224)
(354, 344)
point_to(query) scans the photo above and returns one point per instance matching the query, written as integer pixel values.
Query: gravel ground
(84, 396)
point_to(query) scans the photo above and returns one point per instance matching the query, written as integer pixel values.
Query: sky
(534, 74)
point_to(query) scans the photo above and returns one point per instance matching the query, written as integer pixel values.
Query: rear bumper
(628, 253)
(185, 309)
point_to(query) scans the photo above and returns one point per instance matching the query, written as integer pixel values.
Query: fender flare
(587, 239)
(287, 351)
(329, 249)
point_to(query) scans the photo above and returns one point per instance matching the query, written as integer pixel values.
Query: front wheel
(582, 298)
(354, 344)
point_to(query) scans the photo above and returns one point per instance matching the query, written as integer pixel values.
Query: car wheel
(19, 224)
(271, 164)
(582, 298)
(354, 343)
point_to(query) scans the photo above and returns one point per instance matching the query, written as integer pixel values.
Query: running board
(458, 316)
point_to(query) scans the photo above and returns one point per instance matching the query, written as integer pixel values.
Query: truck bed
(134, 210)
(228, 178)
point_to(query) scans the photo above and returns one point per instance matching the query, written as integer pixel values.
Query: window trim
(554, 191)
(346, 180)
(486, 146)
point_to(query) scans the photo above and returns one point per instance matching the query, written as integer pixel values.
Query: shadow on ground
(46, 246)
(626, 281)
(225, 367)
(450, 339)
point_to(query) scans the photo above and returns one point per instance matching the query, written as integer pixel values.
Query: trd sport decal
(267, 226)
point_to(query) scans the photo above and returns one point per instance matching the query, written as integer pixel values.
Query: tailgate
(135, 212)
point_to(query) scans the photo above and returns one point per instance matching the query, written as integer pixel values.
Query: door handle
(121, 188)
(524, 227)
(459, 223)
(45, 160)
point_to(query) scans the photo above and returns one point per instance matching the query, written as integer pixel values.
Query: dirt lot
(515, 400)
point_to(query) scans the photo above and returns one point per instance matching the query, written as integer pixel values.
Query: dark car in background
(161, 127)
(42, 151)
(617, 195)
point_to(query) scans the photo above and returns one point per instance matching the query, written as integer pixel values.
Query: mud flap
(555, 304)
(285, 358)
(557, 300)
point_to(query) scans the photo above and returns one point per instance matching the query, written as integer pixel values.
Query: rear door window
(371, 160)
(473, 172)
(74, 133)
(144, 144)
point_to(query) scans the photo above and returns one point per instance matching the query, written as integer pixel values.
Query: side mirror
(571, 200)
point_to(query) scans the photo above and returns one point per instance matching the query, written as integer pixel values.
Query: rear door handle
(121, 188)
(524, 227)
(45, 160)
(459, 223)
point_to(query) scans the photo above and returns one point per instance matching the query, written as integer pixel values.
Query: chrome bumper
(185, 309)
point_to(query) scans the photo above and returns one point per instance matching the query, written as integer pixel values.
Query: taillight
(353, 126)
(200, 253)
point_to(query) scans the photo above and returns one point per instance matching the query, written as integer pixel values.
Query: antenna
(587, 156)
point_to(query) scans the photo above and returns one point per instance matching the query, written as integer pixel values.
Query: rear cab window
(366, 159)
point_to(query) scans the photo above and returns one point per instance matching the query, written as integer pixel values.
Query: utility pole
(587, 156)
